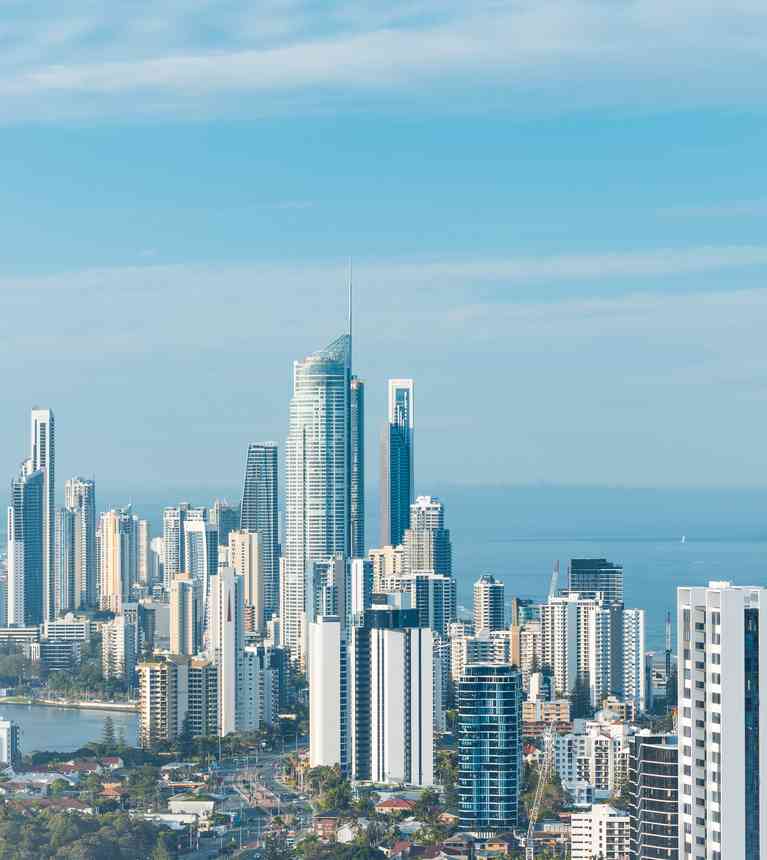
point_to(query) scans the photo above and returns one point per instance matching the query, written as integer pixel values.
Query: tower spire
(350, 296)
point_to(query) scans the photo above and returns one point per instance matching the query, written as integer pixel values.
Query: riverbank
(122, 707)
(47, 727)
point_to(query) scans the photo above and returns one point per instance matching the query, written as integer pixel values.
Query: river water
(66, 729)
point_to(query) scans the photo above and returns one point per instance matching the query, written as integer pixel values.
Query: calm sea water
(653, 568)
(65, 729)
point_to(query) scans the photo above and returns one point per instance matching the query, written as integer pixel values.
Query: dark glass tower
(597, 574)
(397, 484)
(357, 489)
(27, 548)
(654, 793)
(489, 748)
(258, 513)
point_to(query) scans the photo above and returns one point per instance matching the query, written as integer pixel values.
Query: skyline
(567, 236)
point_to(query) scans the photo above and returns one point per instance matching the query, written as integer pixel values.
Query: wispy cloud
(733, 209)
(616, 267)
(176, 56)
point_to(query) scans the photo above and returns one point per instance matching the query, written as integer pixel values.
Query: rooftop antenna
(350, 305)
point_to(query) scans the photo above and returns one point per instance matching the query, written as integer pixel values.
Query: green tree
(108, 733)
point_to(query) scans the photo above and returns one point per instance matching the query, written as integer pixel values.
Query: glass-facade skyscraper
(26, 547)
(397, 481)
(318, 466)
(258, 513)
(43, 457)
(489, 748)
(597, 574)
(357, 467)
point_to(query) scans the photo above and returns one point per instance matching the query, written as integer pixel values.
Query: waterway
(66, 729)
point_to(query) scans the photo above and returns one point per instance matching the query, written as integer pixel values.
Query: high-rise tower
(489, 609)
(26, 547)
(397, 484)
(118, 530)
(318, 458)
(173, 542)
(357, 468)
(258, 513)
(80, 498)
(489, 748)
(427, 541)
(43, 457)
(722, 721)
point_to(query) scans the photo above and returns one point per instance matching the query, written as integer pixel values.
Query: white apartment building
(119, 639)
(71, 628)
(388, 568)
(260, 690)
(489, 604)
(402, 683)
(246, 556)
(595, 753)
(185, 615)
(602, 833)
(225, 635)
(328, 694)
(722, 642)
(10, 743)
(496, 646)
(603, 644)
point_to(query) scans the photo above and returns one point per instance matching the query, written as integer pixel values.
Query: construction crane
(544, 773)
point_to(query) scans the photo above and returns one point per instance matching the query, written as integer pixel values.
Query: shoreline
(121, 707)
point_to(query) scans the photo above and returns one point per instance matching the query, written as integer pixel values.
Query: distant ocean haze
(518, 532)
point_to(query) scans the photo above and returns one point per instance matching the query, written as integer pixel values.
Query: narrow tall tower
(397, 479)
(25, 547)
(43, 457)
(357, 476)
(258, 513)
(80, 498)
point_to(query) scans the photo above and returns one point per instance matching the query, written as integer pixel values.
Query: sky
(556, 213)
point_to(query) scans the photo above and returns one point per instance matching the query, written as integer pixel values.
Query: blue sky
(556, 212)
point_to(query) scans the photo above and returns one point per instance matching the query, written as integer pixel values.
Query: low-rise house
(113, 790)
(325, 825)
(202, 806)
(54, 804)
(36, 782)
(395, 806)
(350, 830)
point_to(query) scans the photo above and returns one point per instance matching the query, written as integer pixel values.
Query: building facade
(118, 563)
(397, 463)
(489, 604)
(80, 498)
(225, 644)
(426, 540)
(26, 548)
(590, 575)
(601, 832)
(722, 641)
(258, 513)
(43, 458)
(357, 467)
(654, 796)
(489, 748)
(318, 460)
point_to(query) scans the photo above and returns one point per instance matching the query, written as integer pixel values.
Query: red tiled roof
(396, 803)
